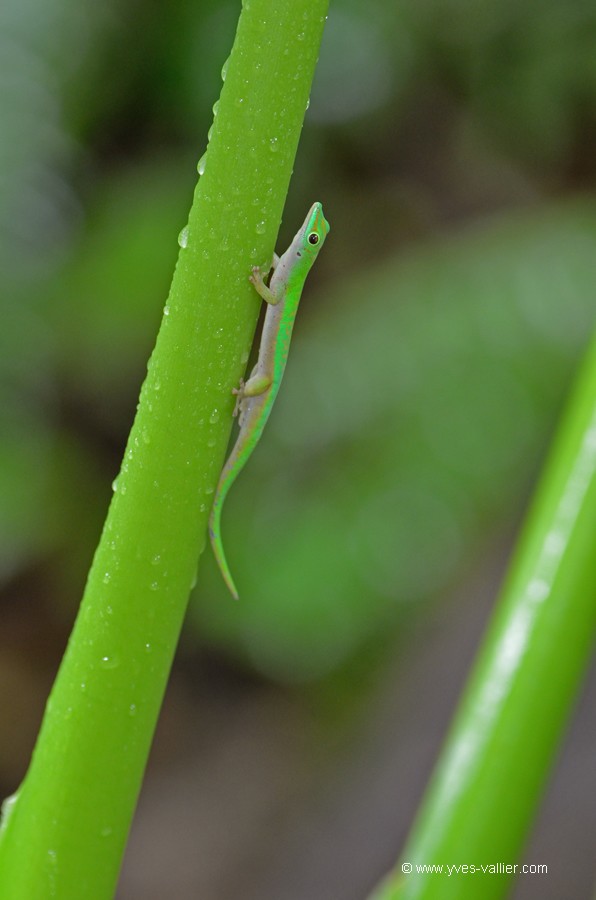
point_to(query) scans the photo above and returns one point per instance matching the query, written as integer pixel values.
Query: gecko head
(315, 230)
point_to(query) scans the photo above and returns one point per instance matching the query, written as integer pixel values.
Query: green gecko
(255, 397)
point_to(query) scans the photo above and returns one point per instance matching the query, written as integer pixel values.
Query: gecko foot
(239, 391)
(256, 277)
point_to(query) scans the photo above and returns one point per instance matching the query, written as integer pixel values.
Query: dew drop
(183, 237)
(261, 227)
(115, 485)
(201, 164)
(132, 709)
(224, 69)
(215, 107)
(154, 586)
(106, 578)
(273, 145)
(214, 417)
(109, 662)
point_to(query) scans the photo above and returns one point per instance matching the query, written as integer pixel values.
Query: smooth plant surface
(520, 694)
(65, 830)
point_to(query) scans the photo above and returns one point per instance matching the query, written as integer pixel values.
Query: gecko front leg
(268, 295)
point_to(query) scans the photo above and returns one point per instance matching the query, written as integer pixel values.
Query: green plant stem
(64, 834)
(484, 793)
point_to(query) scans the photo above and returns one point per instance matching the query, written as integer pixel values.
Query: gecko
(255, 397)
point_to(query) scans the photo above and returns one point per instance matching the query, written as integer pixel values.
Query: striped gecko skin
(255, 397)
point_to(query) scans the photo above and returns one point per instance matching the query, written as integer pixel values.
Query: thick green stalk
(65, 833)
(485, 790)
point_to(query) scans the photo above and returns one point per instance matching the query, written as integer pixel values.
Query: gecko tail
(229, 474)
(218, 551)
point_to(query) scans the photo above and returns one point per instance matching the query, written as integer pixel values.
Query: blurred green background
(452, 145)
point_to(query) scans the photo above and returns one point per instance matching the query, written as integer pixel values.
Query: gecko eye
(313, 238)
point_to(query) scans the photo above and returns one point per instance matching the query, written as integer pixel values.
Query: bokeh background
(452, 144)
